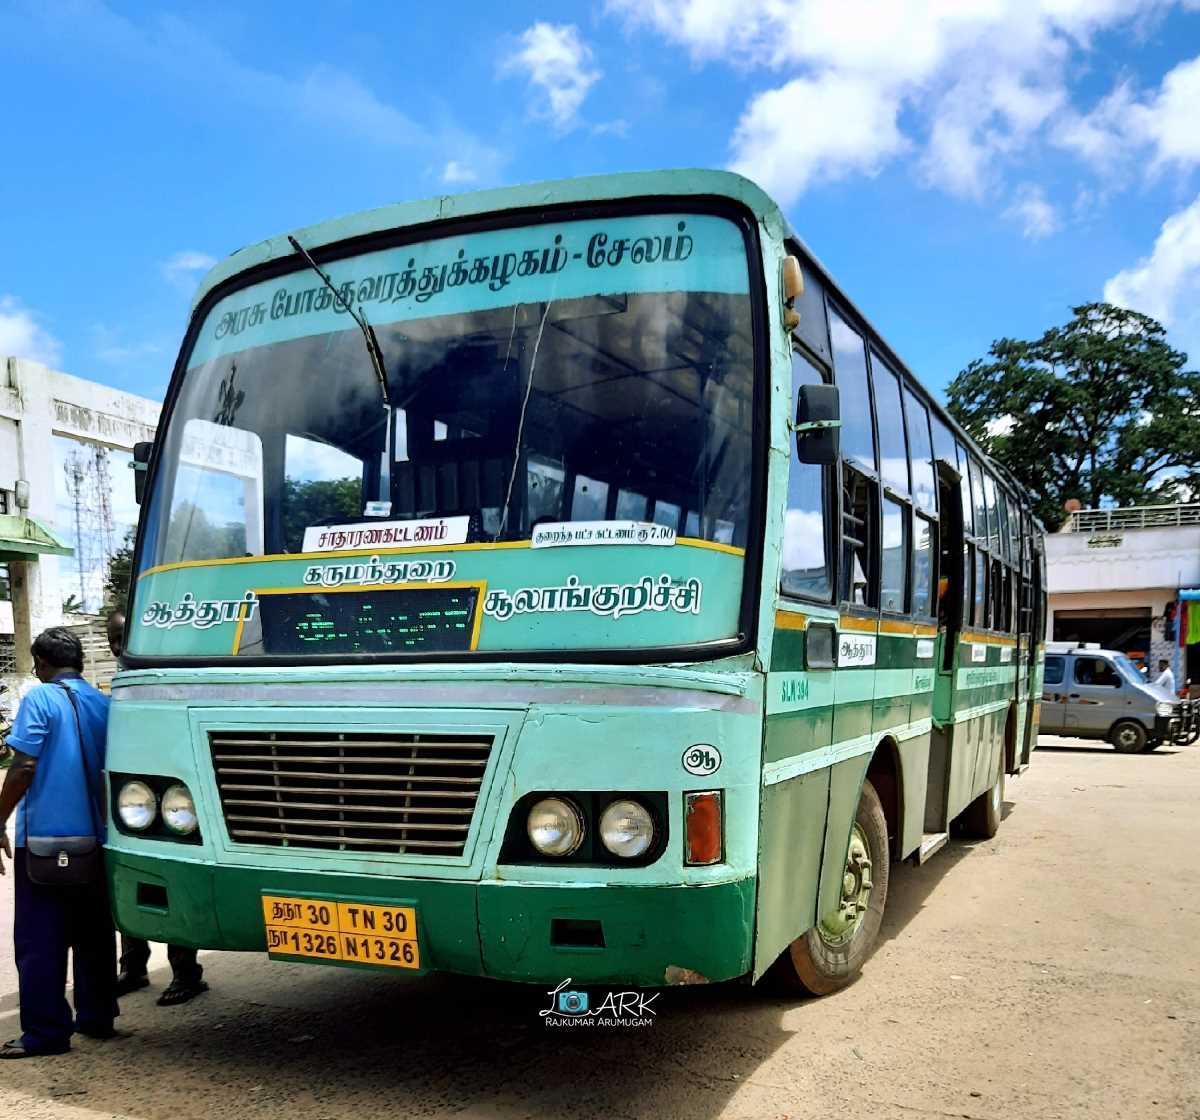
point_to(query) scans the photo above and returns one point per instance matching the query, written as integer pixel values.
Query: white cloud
(456, 174)
(1169, 120)
(1122, 124)
(969, 86)
(1097, 137)
(825, 128)
(1166, 284)
(558, 65)
(1037, 216)
(22, 336)
(183, 269)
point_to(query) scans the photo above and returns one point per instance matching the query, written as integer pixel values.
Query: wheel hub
(839, 927)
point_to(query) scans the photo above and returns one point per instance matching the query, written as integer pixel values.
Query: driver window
(1097, 672)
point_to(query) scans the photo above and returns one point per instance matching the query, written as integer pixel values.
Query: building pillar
(21, 575)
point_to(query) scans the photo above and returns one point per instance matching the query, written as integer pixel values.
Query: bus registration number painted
(357, 932)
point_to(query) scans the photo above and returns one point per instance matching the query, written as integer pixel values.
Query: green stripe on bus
(795, 765)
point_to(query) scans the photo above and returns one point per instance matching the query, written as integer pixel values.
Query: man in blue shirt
(57, 792)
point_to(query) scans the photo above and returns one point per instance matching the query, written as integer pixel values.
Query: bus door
(950, 619)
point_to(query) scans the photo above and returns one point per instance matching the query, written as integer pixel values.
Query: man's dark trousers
(135, 959)
(49, 921)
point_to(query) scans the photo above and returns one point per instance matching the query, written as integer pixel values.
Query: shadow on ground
(314, 1043)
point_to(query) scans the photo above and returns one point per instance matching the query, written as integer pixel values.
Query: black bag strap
(97, 817)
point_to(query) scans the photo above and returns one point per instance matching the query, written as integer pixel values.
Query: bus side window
(924, 568)
(893, 579)
(860, 538)
(999, 622)
(920, 451)
(981, 599)
(859, 574)
(968, 561)
(807, 570)
(965, 484)
(850, 373)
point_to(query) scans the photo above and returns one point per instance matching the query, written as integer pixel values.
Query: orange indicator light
(702, 820)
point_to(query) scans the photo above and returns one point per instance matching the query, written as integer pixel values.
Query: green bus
(558, 581)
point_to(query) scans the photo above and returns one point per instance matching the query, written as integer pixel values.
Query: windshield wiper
(376, 356)
(368, 331)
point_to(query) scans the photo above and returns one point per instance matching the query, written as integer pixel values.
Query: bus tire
(1128, 736)
(831, 954)
(981, 819)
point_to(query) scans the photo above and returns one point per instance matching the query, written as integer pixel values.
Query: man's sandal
(14, 1049)
(180, 991)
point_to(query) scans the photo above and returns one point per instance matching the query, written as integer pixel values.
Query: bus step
(931, 842)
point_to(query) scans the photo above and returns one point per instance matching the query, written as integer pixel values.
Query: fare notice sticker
(381, 936)
(557, 534)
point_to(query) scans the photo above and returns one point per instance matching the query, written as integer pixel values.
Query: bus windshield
(557, 456)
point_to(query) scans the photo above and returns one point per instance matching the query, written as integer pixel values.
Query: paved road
(1051, 972)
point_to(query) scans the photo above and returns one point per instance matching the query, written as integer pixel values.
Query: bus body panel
(478, 914)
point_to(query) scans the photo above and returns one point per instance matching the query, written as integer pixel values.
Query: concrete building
(1114, 577)
(38, 404)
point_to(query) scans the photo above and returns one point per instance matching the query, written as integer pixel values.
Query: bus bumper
(535, 933)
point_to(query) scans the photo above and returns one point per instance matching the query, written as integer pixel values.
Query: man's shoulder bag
(67, 861)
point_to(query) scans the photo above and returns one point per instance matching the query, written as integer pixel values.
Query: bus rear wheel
(831, 954)
(981, 819)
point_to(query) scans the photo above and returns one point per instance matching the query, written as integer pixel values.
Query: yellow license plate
(360, 932)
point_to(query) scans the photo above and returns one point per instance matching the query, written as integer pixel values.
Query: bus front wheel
(831, 954)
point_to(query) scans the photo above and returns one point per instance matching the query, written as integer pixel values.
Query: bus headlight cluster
(179, 810)
(557, 827)
(627, 829)
(139, 808)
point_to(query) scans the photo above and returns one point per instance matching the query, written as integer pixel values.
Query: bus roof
(700, 182)
(529, 196)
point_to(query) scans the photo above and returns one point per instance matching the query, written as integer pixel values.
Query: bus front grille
(354, 791)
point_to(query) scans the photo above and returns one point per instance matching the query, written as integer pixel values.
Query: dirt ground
(1051, 972)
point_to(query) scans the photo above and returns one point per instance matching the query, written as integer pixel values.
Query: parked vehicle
(1094, 693)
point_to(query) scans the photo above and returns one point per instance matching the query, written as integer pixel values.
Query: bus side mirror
(141, 460)
(818, 424)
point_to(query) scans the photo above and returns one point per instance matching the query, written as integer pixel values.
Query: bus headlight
(179, 810)
(137, 806)
(1164, 708)
(627, 829)
(555, 827)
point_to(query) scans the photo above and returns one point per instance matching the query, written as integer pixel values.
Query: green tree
(120, 570)
(72, 605)
(318, 501)
(191, 536)
(1100, 409)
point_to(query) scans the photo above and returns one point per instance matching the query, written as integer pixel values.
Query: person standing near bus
(1165, 679)
(187, 973)
(56, 785)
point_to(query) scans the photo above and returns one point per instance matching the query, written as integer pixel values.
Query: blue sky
(968, 169)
